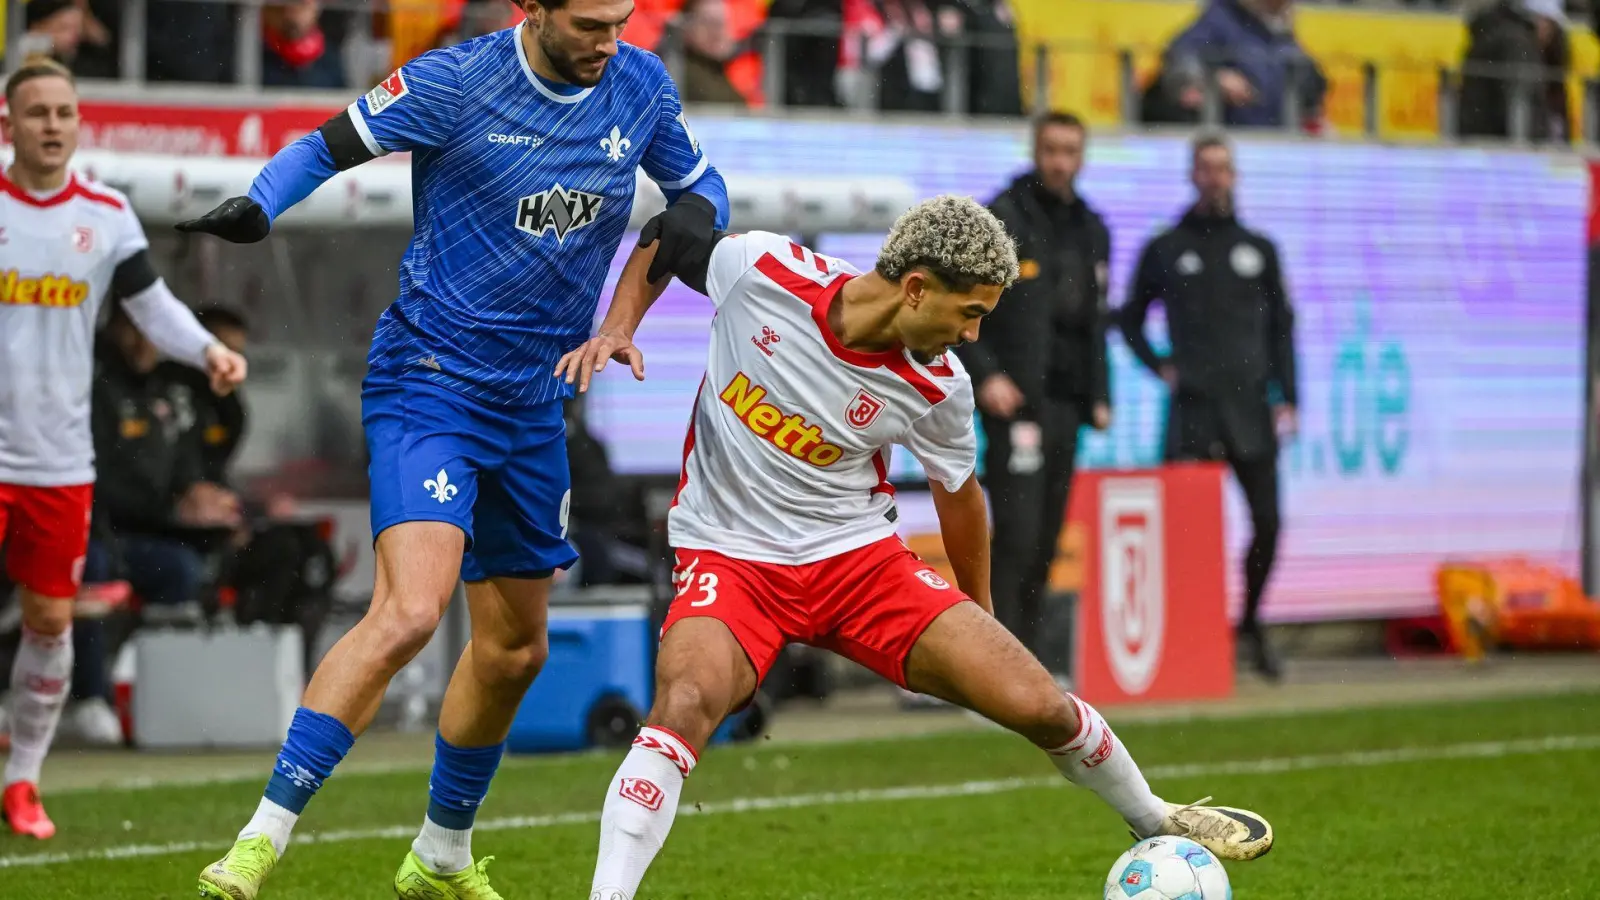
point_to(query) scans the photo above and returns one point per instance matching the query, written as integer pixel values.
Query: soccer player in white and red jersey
(784, 523)
(65, 243)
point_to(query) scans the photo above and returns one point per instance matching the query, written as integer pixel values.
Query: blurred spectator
(54, 27)
(98, 53)
(809, 60)
(1508, 34)
(994, 77)
(188, 41)
(1039, 367)
(1231, 369)
(1248, 47)
(217, 422)
(150, 499)
(295, 51)
(709, 49)
(281, 568)
(892, 44)
(597, 510)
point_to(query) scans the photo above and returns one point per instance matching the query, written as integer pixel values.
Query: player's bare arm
(964, 524)
(678, 242)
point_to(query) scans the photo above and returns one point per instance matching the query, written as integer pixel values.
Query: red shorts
(44, 532)
(869, 605)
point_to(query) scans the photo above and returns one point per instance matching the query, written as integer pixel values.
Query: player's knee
(46, 615)
(689, 707)
(405, 625)
(510, 665)
(1045, 716)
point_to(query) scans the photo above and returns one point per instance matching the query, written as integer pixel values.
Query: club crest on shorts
(933, 579)
(863, 409)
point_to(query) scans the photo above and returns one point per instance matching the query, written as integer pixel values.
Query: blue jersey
(523, 190)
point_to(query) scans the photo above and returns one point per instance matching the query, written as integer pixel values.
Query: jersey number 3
(706, 583)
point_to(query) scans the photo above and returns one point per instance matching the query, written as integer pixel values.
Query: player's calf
(701, 674)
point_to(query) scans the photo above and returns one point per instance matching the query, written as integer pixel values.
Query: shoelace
(1207, 826)
(482, 868)
(252, 865)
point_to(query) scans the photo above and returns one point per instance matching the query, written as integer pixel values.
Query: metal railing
(958, 56)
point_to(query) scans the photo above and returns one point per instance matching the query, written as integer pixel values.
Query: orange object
(1152, 621)
(24, 813)
(1515, 603)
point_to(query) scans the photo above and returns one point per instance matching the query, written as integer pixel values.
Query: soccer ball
(1168, 868)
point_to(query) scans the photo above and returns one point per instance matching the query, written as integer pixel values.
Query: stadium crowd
(898, 55)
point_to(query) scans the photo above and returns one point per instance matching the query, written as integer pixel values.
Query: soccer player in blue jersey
(524, 146)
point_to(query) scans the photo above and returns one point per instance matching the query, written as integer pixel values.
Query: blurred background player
(1232, 366)
(1039, 369)
(514, 238)
(65, 243)
(784, 522)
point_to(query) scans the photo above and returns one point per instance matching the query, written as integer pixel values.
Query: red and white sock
(640, 806)
(1096, 760)
(40, 677)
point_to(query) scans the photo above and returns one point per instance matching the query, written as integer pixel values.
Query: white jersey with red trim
(57, 255)
(787, 455)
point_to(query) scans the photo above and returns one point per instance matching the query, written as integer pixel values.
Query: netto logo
(558, 210)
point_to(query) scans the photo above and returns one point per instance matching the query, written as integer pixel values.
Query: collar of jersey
(862, 358)
(54, 198)
(533, 77)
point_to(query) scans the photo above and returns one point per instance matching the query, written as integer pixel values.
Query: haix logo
(558, 210)
(440, 488)
(767, 339)
(615, 146)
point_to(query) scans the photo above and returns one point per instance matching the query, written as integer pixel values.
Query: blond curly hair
(955, 239)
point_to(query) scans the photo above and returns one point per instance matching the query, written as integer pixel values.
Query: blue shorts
(499, 475)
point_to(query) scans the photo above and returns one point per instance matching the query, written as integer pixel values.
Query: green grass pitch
(1493, 800)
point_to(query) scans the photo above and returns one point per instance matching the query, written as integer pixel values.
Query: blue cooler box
(598, 683)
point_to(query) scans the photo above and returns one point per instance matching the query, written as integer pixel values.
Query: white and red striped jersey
(787, 456)
(57, 255)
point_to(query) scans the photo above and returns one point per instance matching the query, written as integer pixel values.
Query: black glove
(240, 220)
(686, 230)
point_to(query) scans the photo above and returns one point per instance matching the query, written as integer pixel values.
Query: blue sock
(315, 745)
(460, 781)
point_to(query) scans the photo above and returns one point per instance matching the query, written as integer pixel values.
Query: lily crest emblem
(616, 145)
(440, 487)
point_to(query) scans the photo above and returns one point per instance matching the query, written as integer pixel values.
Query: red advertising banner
(1152, 621)
(196, 130)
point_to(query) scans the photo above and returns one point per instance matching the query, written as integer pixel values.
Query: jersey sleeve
(944, 439)
(415, 108)
(130, 238)
(673, 160)
(733, 256)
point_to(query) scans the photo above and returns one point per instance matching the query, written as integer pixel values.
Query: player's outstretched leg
(40, 676)
(508, 646)
(968, 658)
(701, 676)
(418, 564)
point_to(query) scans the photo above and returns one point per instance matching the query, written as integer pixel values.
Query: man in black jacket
(150, 494)
(1039, 367)
(1232, 365)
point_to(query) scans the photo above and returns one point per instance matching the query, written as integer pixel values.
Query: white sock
(273, 821)
(1096, 760)
(40, 677)
(640, 805)
(445, 851)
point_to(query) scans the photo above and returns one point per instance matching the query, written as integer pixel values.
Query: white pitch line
(1276, 765)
